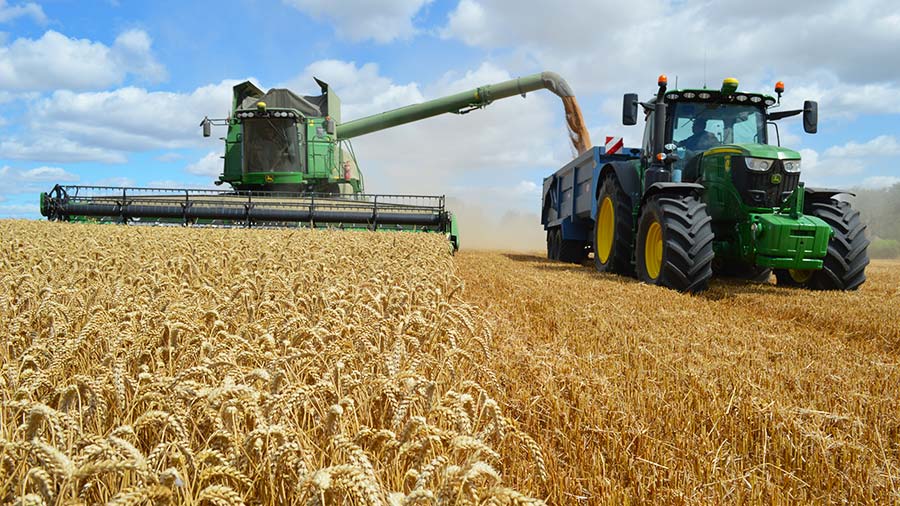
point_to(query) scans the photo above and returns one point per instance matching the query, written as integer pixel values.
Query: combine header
(289, 162)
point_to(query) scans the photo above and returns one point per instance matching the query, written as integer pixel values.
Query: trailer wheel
(847, 256)
(573, 252)
(674, 243)
(553, 238)
(613, 236)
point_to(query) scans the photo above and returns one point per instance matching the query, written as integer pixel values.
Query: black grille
(763, 189)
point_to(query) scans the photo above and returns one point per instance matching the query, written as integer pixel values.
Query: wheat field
(745, 394)
(147, 365)
(163, 365)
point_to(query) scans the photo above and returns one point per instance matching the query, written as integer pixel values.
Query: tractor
(705, 193)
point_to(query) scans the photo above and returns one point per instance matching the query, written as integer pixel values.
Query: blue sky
(112, 91)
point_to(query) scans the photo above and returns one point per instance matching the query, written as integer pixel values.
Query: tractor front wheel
(847, 257)
(674, 243)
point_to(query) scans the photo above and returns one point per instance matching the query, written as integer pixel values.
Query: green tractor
(706, 193)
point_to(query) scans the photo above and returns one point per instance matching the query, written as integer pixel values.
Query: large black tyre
(553, 238)
(792, 278)
(675, 243)
(740, 270)
(613, 237)
(572, 251)
(847, 256)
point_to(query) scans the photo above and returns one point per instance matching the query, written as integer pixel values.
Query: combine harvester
(705, 193)
(289, 163)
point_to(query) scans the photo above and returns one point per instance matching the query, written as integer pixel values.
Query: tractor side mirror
(329, 126)
(630, 109)
(207, 127)
(810, 116)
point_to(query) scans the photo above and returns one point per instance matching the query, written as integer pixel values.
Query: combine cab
(289, 162)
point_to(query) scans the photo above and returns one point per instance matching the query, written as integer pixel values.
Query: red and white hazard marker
(613, 145)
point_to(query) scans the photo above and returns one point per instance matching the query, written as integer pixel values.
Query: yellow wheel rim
(653, 250)
(606, 223)
(800, 275)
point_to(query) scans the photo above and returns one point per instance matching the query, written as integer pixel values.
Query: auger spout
(477, 98)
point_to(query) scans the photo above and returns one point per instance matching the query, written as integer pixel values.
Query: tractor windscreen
(698, 126)
(271, 145)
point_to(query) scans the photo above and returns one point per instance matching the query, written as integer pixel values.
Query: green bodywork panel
(320, 147)
(785, 242)
(454, 232)
(780, 237)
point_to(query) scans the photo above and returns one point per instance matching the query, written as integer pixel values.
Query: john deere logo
(269, 179)
(776, 178)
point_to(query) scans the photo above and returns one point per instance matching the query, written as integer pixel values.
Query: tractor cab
(695, 126)
(710, 193)
(694, 121)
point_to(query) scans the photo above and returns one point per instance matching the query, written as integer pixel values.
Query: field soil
(746, 393)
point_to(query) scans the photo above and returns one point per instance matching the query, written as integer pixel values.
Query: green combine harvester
(289, 163)
(707, 192)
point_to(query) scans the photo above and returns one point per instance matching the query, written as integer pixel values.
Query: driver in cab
(700, 140)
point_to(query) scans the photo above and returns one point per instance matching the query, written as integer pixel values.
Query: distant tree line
(881, 210)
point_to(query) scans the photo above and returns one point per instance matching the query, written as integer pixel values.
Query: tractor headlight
(758, 164)
(792, 165)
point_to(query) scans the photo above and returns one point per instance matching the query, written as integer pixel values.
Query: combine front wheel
(674, 243)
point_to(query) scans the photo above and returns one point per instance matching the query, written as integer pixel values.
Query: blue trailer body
(570, 193)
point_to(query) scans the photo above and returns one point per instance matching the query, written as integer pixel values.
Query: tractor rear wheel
(847, 257)
(613, 229)
(674, 243)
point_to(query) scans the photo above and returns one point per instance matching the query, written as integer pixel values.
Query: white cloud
(210, 165)
(525, 187)
(363, 90)
(48, 174)
(381, 21)
(105, 126)
(170, 157)
(850, 159)
(19, 210)
(852, 74)
(876, 182)
(56, 61)
(56, 150)
(113, 181)
(17, 181)
(11, 12)
(884, 145)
